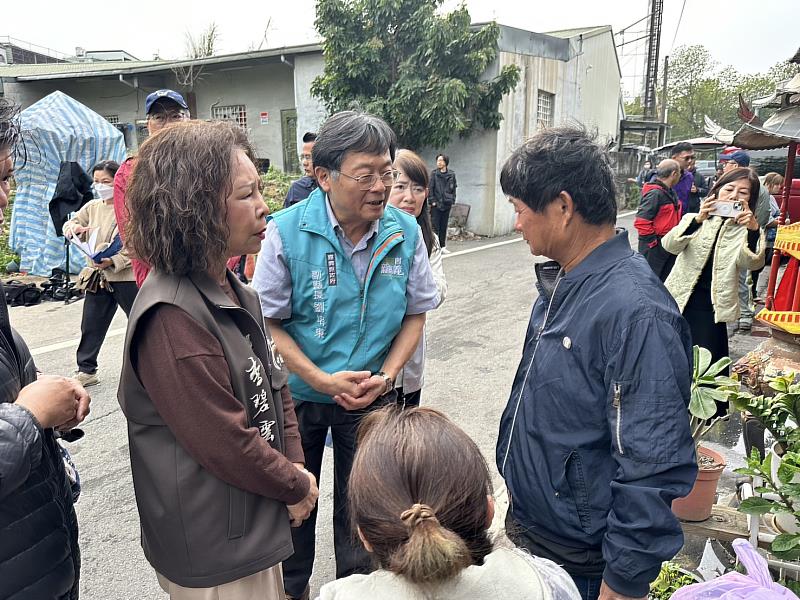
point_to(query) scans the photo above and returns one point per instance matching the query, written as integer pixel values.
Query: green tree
(697, 86)
(419, 70)
(692, 91)
(634, 108)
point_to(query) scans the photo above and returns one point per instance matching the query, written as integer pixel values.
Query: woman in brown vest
(215, 449)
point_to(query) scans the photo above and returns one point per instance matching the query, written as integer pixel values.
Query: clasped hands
(353, 390)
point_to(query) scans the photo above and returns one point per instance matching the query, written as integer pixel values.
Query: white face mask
(103, 191)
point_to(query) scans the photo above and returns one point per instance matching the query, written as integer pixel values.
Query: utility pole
(663, 132)
(653, 45)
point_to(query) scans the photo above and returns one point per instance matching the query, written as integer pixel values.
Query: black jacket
(594, 443)
(443, 189)
(695, 198)
(73, 190)
(39, 555)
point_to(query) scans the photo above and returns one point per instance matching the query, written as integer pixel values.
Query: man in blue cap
(162, 108)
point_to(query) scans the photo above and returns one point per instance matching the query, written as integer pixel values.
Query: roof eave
(167, 65)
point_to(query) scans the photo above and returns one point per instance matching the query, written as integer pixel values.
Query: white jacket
(412, 376)
(505, 575)
(731, 255)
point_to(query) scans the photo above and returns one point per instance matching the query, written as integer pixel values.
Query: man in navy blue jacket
(594, 443)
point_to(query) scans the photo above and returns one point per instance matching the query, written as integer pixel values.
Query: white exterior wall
(473, 161)
(310, 110)
(598, 79)
(261, 88)
(520, 108)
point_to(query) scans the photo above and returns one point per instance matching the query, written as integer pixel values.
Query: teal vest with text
(339, 324)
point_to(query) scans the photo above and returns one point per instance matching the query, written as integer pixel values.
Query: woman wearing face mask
(409, 193)
(115, 281)
(711, 250)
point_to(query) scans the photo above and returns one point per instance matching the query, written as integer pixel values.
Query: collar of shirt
(362, 244)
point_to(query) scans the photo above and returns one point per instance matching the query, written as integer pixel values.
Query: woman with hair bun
(420, 499)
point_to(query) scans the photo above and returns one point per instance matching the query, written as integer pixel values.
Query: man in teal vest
(345, 283)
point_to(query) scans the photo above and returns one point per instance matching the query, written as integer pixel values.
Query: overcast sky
(750, 36)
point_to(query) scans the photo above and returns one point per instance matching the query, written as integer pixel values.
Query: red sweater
(140, 268)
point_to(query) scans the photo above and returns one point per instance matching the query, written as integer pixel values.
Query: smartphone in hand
(726, 209)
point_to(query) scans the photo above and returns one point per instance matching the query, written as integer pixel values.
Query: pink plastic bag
(756, 585)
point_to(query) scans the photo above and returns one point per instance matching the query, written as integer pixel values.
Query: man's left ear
(489, 510)
(567, 206)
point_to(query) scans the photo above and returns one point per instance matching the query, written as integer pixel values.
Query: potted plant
(780, 468)
(780, 496)
(708, 388)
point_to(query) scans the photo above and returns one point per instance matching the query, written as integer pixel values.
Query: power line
(675, 37)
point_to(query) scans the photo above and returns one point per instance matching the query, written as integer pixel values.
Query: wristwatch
(389, 382)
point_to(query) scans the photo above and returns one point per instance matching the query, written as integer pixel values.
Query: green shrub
(276, 185)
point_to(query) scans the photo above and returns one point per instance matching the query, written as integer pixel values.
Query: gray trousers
(745, 298)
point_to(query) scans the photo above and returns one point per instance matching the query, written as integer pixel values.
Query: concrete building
(260, 91)
(565, 76)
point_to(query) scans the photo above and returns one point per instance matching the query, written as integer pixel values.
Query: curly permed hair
(10, 134)
(176, 196)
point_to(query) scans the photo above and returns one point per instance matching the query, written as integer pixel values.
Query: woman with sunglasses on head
(109, 272)
(410, 194)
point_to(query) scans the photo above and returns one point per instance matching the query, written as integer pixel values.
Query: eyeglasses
(367, 182)
(168, 117)
(305, 157)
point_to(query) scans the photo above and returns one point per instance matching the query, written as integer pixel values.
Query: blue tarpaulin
(57, 128)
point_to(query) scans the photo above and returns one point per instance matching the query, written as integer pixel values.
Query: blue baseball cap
(168, 94)
(740, 157)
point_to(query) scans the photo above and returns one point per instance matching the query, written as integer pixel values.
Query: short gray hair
(352, 131)
(666, 168)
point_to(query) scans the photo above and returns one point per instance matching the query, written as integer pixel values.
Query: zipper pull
(617, 395)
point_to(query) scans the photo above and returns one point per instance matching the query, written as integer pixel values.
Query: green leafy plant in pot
(708, 388)
(779, 470)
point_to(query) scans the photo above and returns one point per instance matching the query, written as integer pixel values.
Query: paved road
(474, 345)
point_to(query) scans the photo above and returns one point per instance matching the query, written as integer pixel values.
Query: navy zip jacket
(594, 443)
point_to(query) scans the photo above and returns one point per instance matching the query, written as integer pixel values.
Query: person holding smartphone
(711, 246)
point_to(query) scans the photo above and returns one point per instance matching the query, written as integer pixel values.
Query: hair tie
(417, 514)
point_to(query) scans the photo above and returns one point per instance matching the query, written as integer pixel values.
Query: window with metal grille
(544, 109)
(113, 119)
(236, 113)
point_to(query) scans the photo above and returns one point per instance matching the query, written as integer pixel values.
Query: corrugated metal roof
(93, 69)
(81, 67)
(570, 33)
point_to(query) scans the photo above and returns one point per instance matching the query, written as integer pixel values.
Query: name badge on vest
(330, 259)
(392, 267)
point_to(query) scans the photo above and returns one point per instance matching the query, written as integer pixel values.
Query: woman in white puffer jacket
(711, 250)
